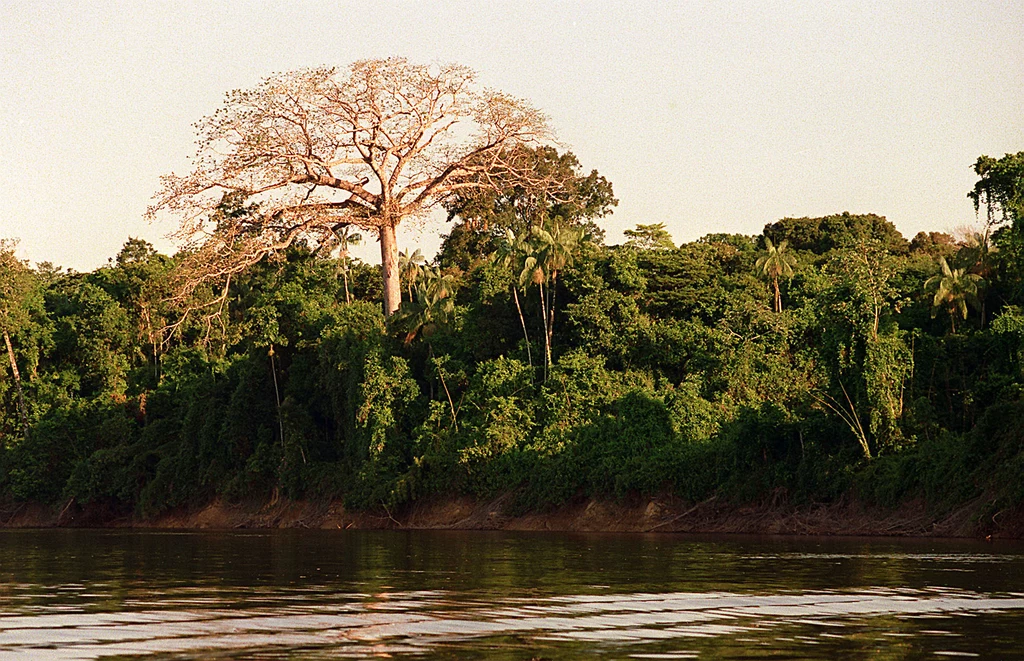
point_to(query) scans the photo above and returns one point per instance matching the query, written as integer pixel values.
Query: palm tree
(978, 252)
(776, 263)
(431, 304)
(954, 289)
(512, 251)
(554, 247)
(410, 267)
(346, 237)
(976, 255)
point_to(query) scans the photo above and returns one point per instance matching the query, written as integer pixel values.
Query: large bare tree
(307, 152)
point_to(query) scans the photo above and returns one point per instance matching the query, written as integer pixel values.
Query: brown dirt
(662, 514)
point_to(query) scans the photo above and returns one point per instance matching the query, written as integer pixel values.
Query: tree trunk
(778, 295)
(344, 274)
(389, 266)
(440, 373)
(152, 341)
(552, 293)
(522, 320)
(22, 411)
(547, 340)
(277, 400)
(277, 393)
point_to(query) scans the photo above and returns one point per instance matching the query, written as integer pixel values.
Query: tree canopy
(561, 191)
(650, 237)
(313, 150)
(819, 235)
(1000, 187)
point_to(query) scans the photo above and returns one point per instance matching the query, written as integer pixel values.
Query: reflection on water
(332, 595)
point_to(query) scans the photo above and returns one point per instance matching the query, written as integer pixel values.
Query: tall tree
(14, 283)
(650, 237)
(558, 188)
(1000, 188)
(867, 267)
(777, 262)
(512, 251)
(346, 237)
(976, 255)
(553, 248)
(371, 145)
(410, 266)
(865, 357)
(137, 280)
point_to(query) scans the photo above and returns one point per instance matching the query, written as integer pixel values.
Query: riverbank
(663, 514)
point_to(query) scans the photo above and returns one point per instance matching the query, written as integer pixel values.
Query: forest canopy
(825, 356)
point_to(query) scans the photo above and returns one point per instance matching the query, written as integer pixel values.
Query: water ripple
(358, 625)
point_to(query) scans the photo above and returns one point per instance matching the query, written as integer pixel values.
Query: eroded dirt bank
(975, 519)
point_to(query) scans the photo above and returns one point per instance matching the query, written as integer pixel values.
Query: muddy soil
(774, 516)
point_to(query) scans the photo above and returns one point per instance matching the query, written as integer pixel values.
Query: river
(310, 594)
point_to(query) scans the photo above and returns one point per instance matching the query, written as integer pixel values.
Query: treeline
(825, 356)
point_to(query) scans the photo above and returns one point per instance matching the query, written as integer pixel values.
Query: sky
(705, 116)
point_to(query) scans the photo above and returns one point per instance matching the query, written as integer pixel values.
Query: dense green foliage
(823, 357)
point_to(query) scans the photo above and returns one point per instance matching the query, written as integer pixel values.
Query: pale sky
(708, 117)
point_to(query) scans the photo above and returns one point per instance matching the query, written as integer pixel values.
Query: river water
(298, 594)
